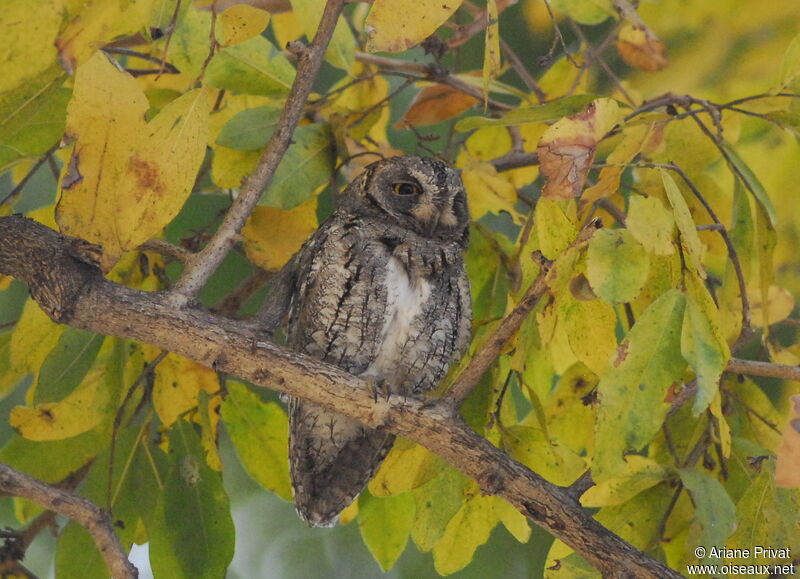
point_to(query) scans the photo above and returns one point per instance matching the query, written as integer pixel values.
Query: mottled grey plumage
(380, 291)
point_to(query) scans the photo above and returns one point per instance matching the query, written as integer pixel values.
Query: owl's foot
(378, 387)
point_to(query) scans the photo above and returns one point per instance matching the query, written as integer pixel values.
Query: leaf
(436, 504)
(640, 48)
(634, 387)
(66, 365)
(259, 432)
(567, 149)
(28, 48)
(714, 512)
(543, 113)
(585, 11)
(488, 191)
(638, 474)
(790, 67)
(702, 343)
(272, 236)
(617, 266)
(491, 52)
(177, 385)
(253, 67)
(127, 179)
(690, 241)
(651, 224)
(787, 469)
(241, 22)
(529, 445)
(407, 466)
(751, 182)
(193, 534)
(434, 104)
(307, 165)
(250, 129)
(342, 46)
(54, 460)
(591, 330)
(32, 116)
(514, 521)
(555, 229)
(779, 306)
(634, 138)
(385, 524)
(33, 339)
(466, 531)
(77, 556)
(396, 25)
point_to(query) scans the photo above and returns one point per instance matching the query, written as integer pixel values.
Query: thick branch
(80, 510)
(101, 306)
(200, 266)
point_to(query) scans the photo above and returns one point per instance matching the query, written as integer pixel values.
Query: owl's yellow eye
(405, 188)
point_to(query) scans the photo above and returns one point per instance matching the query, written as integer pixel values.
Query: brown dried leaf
(567, 148)
(434, 104)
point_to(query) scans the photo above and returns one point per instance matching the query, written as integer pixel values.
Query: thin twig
(80, 510)
(199, 268)
(230, 304)
(522, 72)
(19, 186)
(765, 369)
(168, 33)
(166, 249)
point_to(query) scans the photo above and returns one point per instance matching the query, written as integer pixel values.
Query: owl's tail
(331, 458)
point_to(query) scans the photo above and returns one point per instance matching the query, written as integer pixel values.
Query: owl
(379, 290)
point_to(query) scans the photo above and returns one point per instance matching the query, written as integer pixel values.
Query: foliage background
(716, 52)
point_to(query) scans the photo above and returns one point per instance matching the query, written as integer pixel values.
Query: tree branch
(80, 510)
(200, 266)
(76, 293)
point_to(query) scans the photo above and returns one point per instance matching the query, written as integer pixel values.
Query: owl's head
(420, 194)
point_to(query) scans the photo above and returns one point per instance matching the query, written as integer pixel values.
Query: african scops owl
(379, 290)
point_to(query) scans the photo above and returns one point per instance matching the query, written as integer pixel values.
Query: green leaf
(467, 530)
(250, 129)
(545, 113)
(67, 364)
(651, 224)
(77, 556)
(714, 512)
(253, 67)
(690, 241)
(702, 344)
(436, 503)
(617, 265)
(751, 182)
(32, 116)
(54, 460)
(385, 524)
(634, 387)
(554, 228)
(259, 432)
(307, 165)
(193, 535)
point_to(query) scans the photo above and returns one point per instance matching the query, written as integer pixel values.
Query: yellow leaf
(608, 181)
(488, 191)
(554, 227)
(780, 303)
(241, 22)
(35, 335)
(638, 474)
(79, 412)
(127, 179)
(787, 469)
(95, 24)
(29, 31)
(723, 433)
(286, 29)
(349, 514)
(651, 224)
(397, 25)
(178, 383)
(683, 218)
(466, 531)
(491, 54)
(512, 519)
(272, 236)
(342, 46)
(407, 466)
(591, 330)
(640, 48)
(567, 148)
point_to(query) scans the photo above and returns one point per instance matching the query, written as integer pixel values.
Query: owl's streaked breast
(405, 301)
